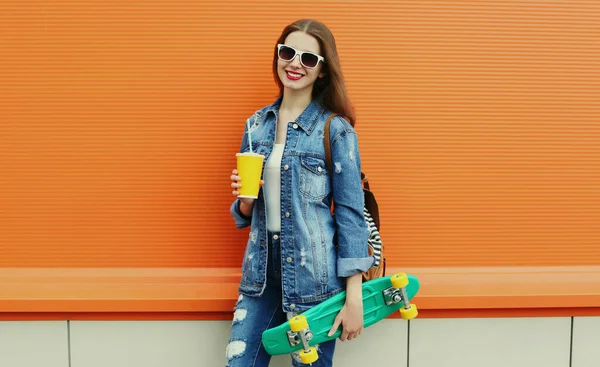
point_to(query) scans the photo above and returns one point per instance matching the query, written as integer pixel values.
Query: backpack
(371, 211)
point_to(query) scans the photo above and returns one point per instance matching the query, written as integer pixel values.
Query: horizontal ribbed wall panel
(478, 123)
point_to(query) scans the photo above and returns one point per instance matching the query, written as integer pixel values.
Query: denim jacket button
(275, 237)
(289, 259)
(287, 214)
(286, 167)
(292, 306)
(295, 126)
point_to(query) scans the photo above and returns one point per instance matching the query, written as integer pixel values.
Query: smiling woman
(291, 262)
(295, 70)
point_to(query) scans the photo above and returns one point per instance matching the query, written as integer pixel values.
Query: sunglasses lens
(310, 60)
(286, 53)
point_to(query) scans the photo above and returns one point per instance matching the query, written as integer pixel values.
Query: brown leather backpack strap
(365, 181)
(327, 142)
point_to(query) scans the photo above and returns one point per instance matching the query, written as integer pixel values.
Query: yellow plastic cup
(249, 168)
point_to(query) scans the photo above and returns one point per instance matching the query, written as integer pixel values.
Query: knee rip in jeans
(240, 313)
(235, 348)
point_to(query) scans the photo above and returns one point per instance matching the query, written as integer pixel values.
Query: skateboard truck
(397, 293)
(295, 337)
(300, 333)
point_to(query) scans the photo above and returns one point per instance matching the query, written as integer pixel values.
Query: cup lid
(249, 154)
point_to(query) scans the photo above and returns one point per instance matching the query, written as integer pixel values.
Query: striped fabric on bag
(374, 238)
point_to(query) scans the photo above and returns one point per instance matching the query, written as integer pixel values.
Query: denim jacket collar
(308, 118)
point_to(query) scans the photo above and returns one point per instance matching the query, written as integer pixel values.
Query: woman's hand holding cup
(246, 179)
(236, 185)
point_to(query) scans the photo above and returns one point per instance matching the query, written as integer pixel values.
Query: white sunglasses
(308, 59)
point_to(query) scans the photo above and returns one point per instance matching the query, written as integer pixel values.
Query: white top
(272, 188)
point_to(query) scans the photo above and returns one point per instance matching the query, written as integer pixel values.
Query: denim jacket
(313, 268)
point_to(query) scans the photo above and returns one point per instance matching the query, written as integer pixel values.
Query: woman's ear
(323, 72)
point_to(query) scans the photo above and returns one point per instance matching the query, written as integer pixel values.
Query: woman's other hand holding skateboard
(351, 316)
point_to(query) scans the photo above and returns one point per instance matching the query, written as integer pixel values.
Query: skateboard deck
(381, 297)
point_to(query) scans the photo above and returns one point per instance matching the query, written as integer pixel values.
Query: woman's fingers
(235, 185)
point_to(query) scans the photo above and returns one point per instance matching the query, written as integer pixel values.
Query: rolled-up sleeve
(348, 197)
(241, 220)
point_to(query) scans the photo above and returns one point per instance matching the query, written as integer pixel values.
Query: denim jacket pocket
(313, 178)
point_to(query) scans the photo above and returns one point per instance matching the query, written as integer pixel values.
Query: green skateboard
(381, 297)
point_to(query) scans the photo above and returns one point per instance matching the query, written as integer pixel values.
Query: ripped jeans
(253, 315)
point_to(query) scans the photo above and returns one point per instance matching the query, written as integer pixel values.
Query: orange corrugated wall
(479, 124)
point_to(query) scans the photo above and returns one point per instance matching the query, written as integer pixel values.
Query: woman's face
(293, 73)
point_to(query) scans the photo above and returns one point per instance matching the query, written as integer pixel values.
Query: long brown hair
(331, 89)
